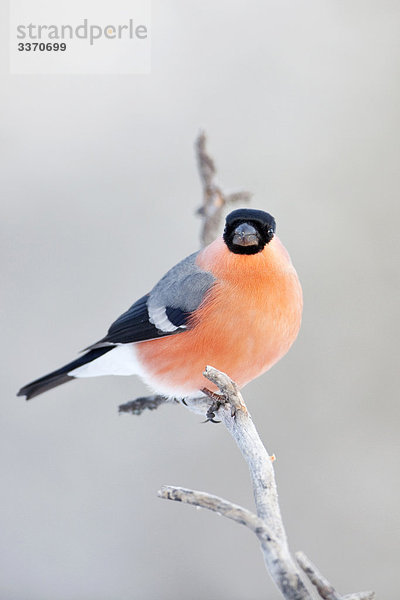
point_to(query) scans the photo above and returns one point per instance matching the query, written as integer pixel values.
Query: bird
(235, 304)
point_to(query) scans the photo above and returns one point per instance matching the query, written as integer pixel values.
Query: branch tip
(214, 199)
(222, 507)
(227, 387)
(324, 588)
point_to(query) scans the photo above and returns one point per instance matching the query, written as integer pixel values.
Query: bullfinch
(235, 305)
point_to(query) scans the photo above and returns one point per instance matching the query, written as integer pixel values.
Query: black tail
(61, 375)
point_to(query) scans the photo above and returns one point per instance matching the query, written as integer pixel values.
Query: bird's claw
(211, 420)
(212, 409)
(217, 401)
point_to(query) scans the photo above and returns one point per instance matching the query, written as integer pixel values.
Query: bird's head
(247, 231)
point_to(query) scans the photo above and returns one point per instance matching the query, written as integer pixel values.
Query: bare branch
(279, 562)
(267, 524)
(360, 596)
(206, 164)
(219, 505)
(243, 431)
(214, 200)
(324, 588)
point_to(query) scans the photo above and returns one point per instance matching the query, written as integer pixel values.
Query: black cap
(263, 222)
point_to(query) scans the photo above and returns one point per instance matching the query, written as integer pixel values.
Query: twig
(245, 434)
(214, 200)
(222, 507)
(360, 596)
(324, 588)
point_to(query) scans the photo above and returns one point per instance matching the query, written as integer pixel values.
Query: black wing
(134, 325)
(166, 310)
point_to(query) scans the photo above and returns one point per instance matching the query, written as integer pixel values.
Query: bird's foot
(217, 401)
(229, 389)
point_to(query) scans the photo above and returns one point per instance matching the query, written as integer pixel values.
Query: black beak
(245, 235)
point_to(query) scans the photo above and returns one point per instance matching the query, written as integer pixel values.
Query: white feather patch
(122, 360)
(158, 317)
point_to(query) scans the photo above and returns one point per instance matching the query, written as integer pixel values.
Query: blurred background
(99, 185)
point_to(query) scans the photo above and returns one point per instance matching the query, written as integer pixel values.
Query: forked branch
(267, 524)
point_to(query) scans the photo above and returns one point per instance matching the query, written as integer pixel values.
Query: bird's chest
(252, 314)
(262, 317)
(243, 330)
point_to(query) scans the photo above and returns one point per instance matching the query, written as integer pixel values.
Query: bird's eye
(271, 231)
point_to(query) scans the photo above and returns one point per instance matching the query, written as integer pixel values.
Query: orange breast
(248, 321)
